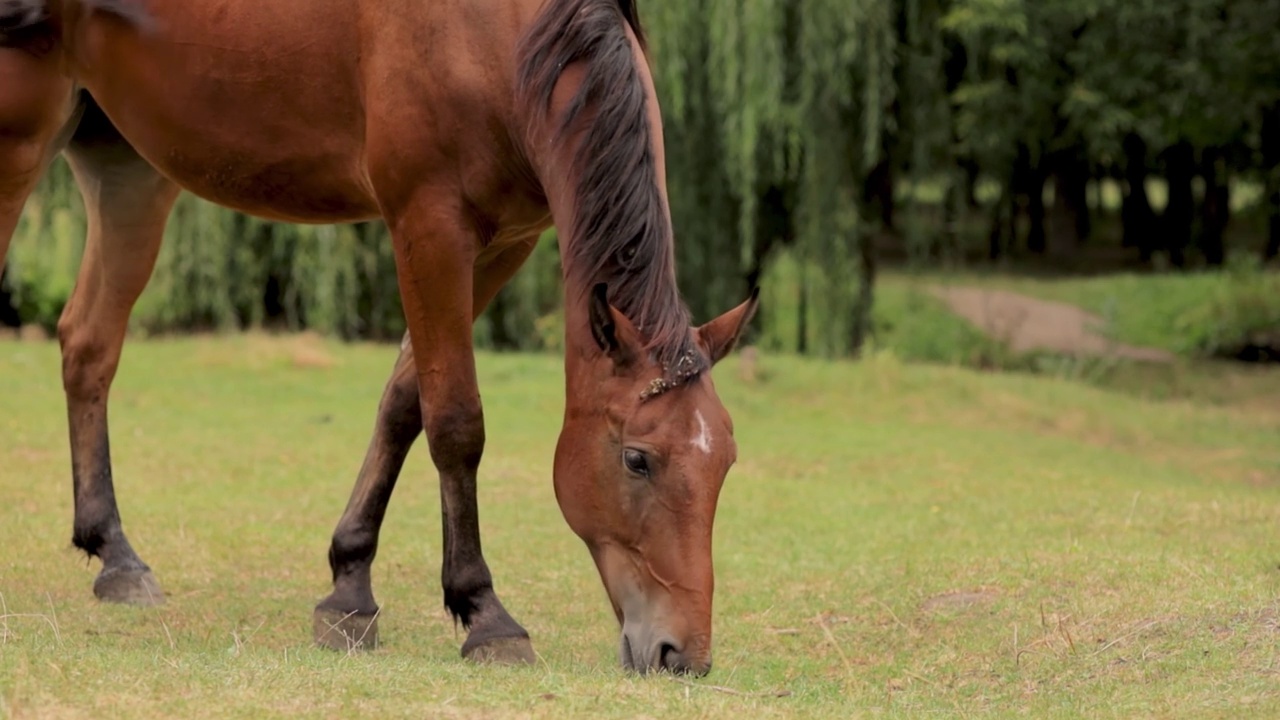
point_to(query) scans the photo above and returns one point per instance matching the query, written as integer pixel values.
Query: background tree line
(808, 142)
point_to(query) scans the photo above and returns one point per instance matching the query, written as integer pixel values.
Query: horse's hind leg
(35, 105)
(127, 203)
(347, 619)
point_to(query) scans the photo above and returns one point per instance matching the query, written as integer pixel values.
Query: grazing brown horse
(469, 126)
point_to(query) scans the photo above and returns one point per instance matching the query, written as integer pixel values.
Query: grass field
(895, 540)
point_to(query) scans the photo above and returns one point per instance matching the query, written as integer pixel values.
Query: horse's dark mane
(19, 15)
(622, 235)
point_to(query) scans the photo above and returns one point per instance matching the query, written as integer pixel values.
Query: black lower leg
(97, 529)
(355, 540)
(347, 618)
(127, 203)
(457, 442)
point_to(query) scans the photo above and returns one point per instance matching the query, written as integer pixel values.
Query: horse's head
(641, 458)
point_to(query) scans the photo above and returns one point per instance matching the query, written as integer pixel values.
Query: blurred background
(866, 162)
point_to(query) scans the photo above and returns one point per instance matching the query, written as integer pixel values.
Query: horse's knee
(401, 393)
(87, 361)
(455, 432)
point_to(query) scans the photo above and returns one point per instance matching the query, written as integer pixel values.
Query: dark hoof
(128, 586)
(502, 651)
(344, 632)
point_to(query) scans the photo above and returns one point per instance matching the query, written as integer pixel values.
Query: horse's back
(311, 110)
(256, 106)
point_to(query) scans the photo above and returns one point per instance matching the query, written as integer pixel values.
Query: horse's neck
(561, 189)
(607, 174)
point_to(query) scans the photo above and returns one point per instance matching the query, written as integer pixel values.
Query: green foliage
(1242, 312)
(1054, 73)
(221, 270)
(779, 117)
(765, 96)
(46, 249)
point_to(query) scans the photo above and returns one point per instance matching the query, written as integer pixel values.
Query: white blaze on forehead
(702, 440)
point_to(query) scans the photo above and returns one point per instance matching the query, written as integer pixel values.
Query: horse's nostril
(671, 659)
(625, 654)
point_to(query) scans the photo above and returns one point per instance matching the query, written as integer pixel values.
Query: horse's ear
(613, 332)
(719, 336)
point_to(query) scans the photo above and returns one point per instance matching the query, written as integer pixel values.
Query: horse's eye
(635, 462)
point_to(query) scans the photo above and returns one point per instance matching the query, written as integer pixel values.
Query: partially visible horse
(469, 126)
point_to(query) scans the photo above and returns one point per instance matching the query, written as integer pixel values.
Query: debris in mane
(623, 237)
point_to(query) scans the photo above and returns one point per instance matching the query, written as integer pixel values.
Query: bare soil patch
(1028, 324)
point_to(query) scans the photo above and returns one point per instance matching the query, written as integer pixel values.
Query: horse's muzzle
(638, 650)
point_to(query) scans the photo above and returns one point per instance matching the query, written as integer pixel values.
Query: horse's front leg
(347, 618)
(436, 249)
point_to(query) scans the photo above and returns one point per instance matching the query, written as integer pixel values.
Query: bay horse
(469, 127)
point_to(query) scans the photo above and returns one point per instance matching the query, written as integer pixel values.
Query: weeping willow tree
(776, 113)
(221, 270)
(217, 269)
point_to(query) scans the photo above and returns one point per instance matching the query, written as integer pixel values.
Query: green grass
(1118, 556)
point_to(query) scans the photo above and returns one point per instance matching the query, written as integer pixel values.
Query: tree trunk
(802, 313)
(1271, 168)
(1000, 210)
(1180, 213)
(9, 316)
(971, 171)
(1035, 208)
(1019, 197)
(773, 228)
(498, 311)
(1069, 224)
(1136, 215)
(878, 191)
(1076, 186)
(877, 196)
(1215, 211)
(1060, 236)
(861, 326)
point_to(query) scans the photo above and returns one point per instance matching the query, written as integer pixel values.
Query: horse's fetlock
(90, 536)
(351, 546)
(465, 589)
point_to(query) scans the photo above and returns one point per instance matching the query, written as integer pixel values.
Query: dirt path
(1026, 324)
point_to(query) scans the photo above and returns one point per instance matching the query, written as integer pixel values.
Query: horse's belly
(238, 111)
(298, 188)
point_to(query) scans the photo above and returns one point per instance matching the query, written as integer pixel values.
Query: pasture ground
(895, 540)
